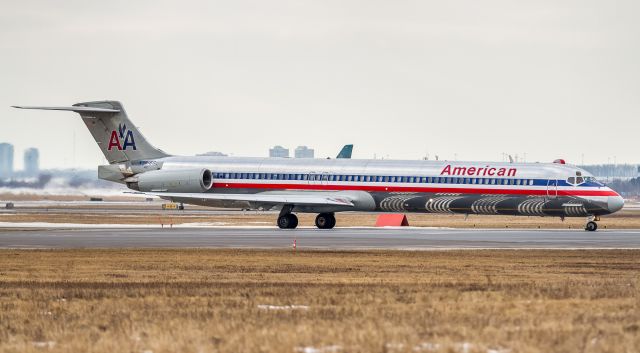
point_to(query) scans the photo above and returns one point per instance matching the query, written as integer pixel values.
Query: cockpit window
(578, 180)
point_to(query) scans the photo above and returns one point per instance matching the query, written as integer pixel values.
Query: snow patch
(323, 349)
(426, 346)
(44, 344)
(283, 307)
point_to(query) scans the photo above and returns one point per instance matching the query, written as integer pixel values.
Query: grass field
(313, 301)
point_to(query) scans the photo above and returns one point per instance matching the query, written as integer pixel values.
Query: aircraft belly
(516, 205)
(491, 204)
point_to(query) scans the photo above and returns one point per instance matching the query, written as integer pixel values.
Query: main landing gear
(325, 221)
(591, 225)
(286, 219)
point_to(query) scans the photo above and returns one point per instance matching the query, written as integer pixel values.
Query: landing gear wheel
(294, 221)
(325, 221)
(591, 226)
(288, 221)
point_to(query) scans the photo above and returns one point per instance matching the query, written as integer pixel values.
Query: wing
(71, 109)
(299, 198)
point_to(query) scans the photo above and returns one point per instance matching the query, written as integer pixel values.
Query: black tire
(288, 221)
(325, 221)
(332, 223)
(284, 222)
(293, 219)
(591, 226)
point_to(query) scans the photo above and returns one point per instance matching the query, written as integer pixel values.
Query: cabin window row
(373, 178)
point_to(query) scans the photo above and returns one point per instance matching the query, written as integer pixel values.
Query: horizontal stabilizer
(71, 109)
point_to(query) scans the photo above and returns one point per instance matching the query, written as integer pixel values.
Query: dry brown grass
(384, 301)
(622, 220)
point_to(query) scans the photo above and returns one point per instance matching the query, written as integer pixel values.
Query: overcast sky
(459, 79)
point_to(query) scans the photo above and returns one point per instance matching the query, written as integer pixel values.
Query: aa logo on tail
(121, 139)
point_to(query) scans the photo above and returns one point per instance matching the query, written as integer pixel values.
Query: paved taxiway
(339, 238)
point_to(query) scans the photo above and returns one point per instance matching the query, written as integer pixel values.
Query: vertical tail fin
(118, 139)
(345, 152)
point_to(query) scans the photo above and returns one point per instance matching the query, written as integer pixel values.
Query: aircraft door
(552, 189)
(318, 178)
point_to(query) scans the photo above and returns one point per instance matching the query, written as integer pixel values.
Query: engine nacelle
(185, 180)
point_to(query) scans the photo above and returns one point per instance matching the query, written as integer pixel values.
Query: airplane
(328, 186)
(345, 152)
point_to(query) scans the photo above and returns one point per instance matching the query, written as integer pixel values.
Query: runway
(311, 238)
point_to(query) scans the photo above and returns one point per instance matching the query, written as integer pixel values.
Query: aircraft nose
(615, 203)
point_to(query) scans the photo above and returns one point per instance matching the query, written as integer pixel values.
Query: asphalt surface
(339, 238)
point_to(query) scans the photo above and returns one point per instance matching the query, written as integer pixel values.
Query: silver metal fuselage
(413, 186)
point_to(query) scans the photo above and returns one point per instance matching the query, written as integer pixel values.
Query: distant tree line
(626, 187)
(623, 178)
(609, 171)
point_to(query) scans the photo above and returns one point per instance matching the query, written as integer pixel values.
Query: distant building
(214, 154)
(31, 161)
(279, 151)
(6, 160)
(303, 152)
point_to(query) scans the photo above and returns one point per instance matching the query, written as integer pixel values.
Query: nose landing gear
(591, 225)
